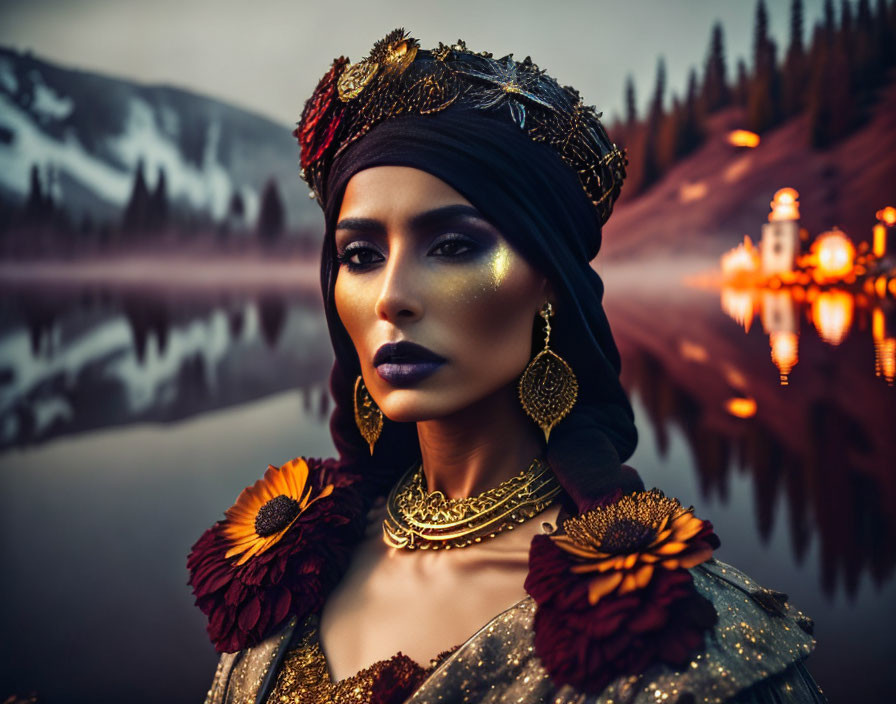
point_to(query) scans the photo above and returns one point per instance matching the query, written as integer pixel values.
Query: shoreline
(211, 271)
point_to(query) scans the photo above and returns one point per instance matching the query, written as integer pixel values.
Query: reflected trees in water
(825, 484)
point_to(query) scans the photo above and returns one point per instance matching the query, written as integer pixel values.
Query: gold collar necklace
(419, 520)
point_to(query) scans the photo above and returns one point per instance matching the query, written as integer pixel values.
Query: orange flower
(264, 511)
(626, 541)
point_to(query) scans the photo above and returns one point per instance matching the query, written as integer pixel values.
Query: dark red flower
(617, 596)
(321, 117)
(246, 599)
(396, 680)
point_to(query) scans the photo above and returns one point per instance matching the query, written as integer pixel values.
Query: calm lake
(130, 419)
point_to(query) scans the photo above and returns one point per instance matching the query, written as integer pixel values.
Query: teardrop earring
(368, 416)
(548, 388)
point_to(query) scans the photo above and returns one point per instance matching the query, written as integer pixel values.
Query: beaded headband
(399, 78)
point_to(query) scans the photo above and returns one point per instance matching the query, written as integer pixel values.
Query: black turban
(535, 200)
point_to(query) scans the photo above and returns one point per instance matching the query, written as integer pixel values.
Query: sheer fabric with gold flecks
(305, 678)
(753, 656)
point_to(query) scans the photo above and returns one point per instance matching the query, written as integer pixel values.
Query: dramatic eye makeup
(454, 234)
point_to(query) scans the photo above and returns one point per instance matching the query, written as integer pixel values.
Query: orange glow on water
(739, 305)
(880, 240)
(741, 407)
(785, 205)
(785, 352)
(878, 325)
(743, 138)
(884, 348)
(885, 359)
(834, 255)
(832, 314)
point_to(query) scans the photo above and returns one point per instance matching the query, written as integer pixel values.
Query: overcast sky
(267, 55)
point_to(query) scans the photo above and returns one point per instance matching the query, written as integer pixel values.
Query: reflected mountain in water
(74, 363)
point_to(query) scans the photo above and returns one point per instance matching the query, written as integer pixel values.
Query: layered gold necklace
(419, 520)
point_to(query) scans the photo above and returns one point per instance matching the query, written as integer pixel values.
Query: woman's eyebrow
(360, 225)
(423, 221)
(437, 216)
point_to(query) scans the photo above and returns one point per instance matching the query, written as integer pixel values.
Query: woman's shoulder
(279, 550)
(753, 653)
(628, 595)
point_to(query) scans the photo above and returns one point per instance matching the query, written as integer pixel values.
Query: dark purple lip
(404, 353)
(404, 364)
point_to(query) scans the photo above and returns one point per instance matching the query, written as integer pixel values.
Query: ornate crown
(400, 78)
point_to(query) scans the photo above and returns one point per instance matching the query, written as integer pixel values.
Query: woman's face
(419, 266)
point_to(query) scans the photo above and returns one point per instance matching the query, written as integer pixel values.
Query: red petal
(281, 606)
(249, 615)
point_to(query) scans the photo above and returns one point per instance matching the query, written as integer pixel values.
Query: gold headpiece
(399, 78)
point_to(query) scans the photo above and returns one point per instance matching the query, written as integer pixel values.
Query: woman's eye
(359, 257)
(454, 247)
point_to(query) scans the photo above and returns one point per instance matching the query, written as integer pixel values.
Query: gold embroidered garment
(753, 655)
(304, 677)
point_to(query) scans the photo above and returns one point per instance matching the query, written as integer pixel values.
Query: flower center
(626, 535)
(275, 515)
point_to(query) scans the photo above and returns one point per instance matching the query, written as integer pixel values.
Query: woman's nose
(399, 297)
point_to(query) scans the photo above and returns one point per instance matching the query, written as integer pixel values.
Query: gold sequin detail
(304, 676)
(750, 646)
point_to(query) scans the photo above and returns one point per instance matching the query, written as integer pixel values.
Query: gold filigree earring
(368, 416)
(548, 388)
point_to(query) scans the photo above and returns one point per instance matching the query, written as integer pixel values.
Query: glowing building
(780, 241)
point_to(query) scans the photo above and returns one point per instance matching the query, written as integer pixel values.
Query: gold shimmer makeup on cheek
(484, 274)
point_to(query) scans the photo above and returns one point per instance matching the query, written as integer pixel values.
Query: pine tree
(832, 112)
(631, 103)
(763, 105)
(236, 209)
(651, 158)
(830, 24)
(741, 85)
(794, 75)
(846, 19)
(867, 64)
(690, 132)
(235, 221)
(884, 37)
(35, 205)
(158, 207)
(716, 94)
(271, 216)
(796, 27)
(886, 43)
(136, 213)
(659, 91)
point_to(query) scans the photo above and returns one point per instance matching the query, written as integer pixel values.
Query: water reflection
(831, 312)
(826, 495)
(804, 470)
(72, 363)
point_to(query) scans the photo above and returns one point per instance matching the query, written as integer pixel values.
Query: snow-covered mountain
(88, 132)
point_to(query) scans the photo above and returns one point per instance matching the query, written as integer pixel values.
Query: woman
(476, 386)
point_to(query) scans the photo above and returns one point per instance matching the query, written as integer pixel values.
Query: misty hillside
(708, 201)
(87, 133)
